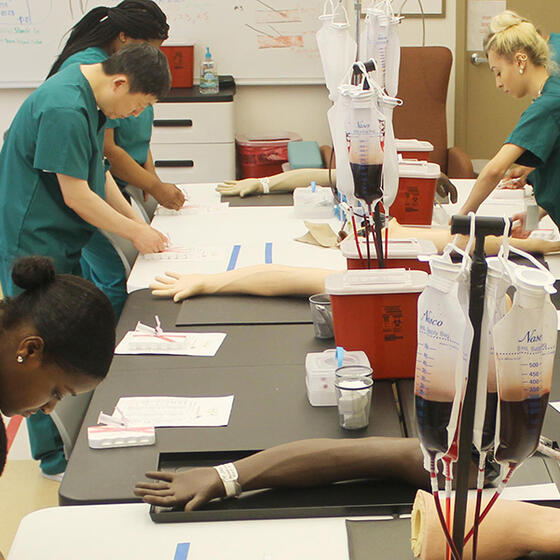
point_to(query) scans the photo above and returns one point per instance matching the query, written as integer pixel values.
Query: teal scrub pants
(102, 266)
(44, 439)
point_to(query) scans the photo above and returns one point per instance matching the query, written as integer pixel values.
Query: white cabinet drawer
(193, 122)
(194, 163)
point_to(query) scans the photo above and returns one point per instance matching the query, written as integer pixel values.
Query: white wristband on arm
(228, 475)
(265, 182)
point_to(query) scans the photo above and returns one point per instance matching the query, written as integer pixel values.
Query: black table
(262, 365)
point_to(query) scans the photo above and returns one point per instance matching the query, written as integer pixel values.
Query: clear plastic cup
(322, 315)
(355, 370)
(353, 399)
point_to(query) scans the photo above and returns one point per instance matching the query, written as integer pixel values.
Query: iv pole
(483, 226)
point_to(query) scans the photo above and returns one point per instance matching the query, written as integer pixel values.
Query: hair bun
(33, 273)
(505, 20)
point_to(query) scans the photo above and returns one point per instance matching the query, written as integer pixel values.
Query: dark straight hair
(139, 19)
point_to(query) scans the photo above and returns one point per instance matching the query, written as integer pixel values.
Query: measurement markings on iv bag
(392, 322)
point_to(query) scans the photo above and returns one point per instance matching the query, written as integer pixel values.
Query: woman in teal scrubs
(54, 191)
(519, 57)
(101, 32)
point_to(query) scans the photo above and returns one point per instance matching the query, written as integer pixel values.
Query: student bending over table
(56, 339)
(282, 280)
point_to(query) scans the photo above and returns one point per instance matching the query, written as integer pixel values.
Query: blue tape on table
(268, 253)
(182, 551)
(233, 257)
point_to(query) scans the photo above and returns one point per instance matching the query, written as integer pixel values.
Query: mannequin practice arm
(262, 279)
(300, 463)
(283, 182)
(441, 236)
(511, 530)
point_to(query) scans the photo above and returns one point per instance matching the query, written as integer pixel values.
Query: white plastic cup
(322, 315)
(353, 399)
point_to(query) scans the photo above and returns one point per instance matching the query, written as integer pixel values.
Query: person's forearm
(94, 210)
(266, 280)
(127, 169)
(489, 177)
(149, 164)
(290, 180)
(321, 461)
(117, 201)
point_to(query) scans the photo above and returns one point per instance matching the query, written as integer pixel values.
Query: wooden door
(484, 116)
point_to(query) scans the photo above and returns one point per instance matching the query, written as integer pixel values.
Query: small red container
(181, 64)
(376, 311)
(415, 198)
(263, 155)
(403, 253)
(414, 149)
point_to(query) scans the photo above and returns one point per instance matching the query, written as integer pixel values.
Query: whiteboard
(256, 41)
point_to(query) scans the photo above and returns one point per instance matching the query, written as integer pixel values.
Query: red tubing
(496, 495)
(356, 236)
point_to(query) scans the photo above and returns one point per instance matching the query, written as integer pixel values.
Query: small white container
(320, 374)
(309, 203)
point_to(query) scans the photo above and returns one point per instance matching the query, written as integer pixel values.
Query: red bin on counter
(181, 64)
(263, 155)
(403, 253)
(376, 311)
(414, 204)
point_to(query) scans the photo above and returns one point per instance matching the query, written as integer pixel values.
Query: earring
(20, 359)
(521, 70)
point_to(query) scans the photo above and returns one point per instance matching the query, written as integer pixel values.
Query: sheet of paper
(192, 209)
(479, 14)
(555, 405)
(191, 254)
(172, 343)
(175, 411)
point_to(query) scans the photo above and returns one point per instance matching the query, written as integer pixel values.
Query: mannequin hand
(177, 286)
(149, 240)
(240, 188)
(516, 177)
(445, 187)
(193, 488)
(169, 196)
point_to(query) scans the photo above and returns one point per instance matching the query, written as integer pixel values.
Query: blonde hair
(510, 33)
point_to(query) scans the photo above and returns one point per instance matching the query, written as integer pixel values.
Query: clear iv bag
(383, 44)
(442, 356)
(365, 132)
(524, 346)
(337, 47)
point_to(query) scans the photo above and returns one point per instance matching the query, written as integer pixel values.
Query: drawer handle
(173, 122)
(174, 163)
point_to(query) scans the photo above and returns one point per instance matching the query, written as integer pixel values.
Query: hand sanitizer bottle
(208, 74)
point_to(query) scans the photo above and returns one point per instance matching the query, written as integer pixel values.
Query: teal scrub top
(538, 132)
(554, 44)
(58, 129)
(132, 134)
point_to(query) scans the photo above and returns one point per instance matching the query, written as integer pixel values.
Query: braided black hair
(139, 19)
(74, 318)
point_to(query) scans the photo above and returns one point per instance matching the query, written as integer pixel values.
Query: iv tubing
(435, 492)
(448, 484)
(499, 490)
(479, 485)
(366, 220)
(356, 236)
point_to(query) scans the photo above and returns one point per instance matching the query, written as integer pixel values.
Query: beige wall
(300, 109)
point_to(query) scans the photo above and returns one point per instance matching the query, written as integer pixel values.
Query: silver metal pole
(358, 12)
